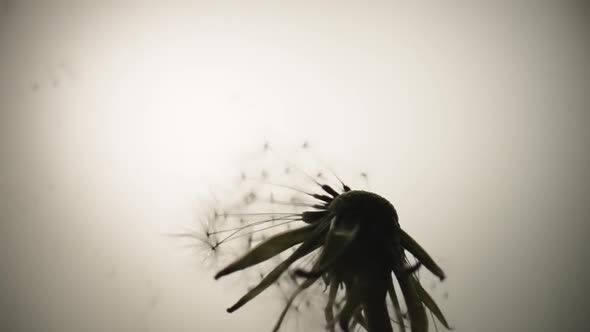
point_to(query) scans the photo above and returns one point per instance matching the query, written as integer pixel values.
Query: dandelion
(348, 241)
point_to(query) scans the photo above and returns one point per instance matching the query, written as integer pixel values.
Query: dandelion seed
(345, 244)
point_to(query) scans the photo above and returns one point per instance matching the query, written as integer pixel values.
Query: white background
(471, 118)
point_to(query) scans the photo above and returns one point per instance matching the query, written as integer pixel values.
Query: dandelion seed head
(277, 195)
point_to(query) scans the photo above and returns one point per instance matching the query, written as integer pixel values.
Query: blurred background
(471, 117)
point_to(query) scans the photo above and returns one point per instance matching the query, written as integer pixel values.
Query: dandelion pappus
(329, 240)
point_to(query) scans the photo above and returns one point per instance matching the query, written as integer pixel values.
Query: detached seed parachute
(342, 244)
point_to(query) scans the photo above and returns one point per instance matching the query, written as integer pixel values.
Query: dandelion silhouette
(344, 243)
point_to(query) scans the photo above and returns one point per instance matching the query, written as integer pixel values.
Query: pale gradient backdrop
(471, 117)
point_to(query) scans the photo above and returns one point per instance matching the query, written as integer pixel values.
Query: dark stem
(376, 313)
